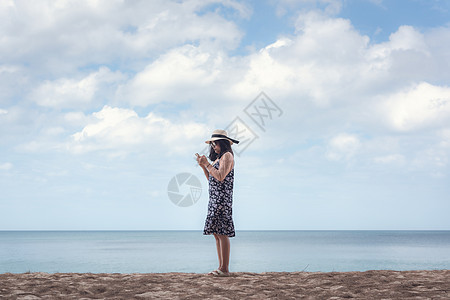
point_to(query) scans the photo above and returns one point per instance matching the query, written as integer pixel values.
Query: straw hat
(220, 134)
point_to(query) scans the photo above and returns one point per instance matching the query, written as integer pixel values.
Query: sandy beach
(239, 285)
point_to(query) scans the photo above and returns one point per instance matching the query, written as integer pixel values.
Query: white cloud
(408, 38)
(120, 129)
(72, 93)
(343, 146)
(301, 65)
(180, 74)
(13, 81)
(3, 111)
(6, 166)
(265, 72)
(58, 36)
(435, 155)
(354, 83)
(347, 84)
(75, 118)
(390, 159)
(418, 107)
(282, 42)
(432, 158)
(109, 118)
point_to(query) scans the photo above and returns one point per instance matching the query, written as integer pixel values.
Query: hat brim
(218, 138)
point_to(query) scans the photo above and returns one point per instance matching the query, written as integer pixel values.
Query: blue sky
(102, 103)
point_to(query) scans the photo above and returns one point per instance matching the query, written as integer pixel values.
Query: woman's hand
(202, 161)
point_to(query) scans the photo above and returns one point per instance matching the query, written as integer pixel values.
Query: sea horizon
(200, 230)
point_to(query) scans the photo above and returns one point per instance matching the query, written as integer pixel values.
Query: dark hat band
(225, 137)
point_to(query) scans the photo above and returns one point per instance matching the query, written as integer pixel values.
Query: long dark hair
(225, 146)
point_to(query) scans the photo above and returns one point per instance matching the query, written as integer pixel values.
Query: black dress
(219, 219)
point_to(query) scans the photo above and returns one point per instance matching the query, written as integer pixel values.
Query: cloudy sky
(102, 103)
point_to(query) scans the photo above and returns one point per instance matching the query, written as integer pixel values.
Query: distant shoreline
(201, 230)
(368, 284)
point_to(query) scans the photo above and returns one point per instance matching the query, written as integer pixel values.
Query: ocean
(251, 251)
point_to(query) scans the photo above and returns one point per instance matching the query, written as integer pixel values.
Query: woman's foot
(220, 273)
(213, 272)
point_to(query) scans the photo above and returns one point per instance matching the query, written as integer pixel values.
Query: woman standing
(220, 175)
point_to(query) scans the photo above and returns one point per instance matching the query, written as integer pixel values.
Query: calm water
(252, 251)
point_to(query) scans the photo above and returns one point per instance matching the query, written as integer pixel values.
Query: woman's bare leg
(225, 252)
(219, 252)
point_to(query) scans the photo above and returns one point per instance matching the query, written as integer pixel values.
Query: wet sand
(240, 285)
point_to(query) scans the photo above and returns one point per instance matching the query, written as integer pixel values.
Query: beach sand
(240, 285)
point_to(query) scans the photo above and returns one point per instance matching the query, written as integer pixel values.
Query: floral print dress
(219, 219)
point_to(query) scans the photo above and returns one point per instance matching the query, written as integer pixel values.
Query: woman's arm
(225, 167)
(206, 172)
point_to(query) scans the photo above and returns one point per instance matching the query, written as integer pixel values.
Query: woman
(220, 175)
